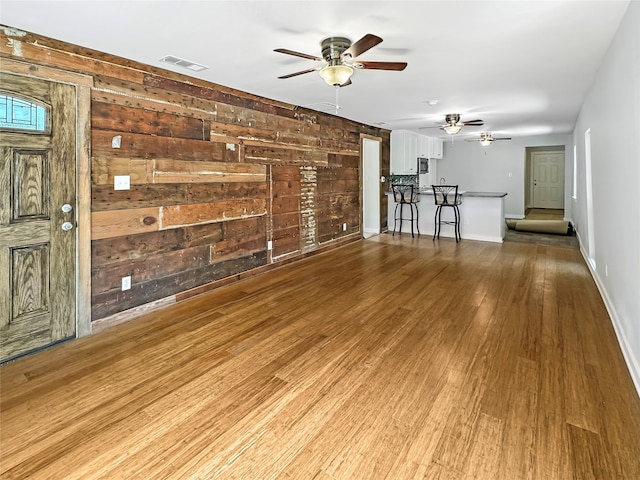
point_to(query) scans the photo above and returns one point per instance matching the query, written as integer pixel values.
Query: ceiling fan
(486, 139)
(453, 124)
(338, 53)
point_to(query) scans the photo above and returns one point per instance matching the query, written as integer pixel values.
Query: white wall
(499, 167)
(612, 112)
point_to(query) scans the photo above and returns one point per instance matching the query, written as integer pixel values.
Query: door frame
(364, 137)
(534, 164)
(83, 85)
(528, 176)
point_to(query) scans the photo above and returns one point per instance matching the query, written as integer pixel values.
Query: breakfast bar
(481, 216)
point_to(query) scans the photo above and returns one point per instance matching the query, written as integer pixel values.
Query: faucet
(442, 181)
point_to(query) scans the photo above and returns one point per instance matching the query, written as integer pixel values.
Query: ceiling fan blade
(396, 66)
(473, 139)
(299, 73)
(362, 45)
(477, 123)
(503, 138)
(432, 126)
(298, 54)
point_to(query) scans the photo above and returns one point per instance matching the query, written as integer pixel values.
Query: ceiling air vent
(196, 67)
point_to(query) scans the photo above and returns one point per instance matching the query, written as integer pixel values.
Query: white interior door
(548, 179)
(370, 187)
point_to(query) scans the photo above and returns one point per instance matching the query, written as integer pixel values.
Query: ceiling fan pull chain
(337, 87)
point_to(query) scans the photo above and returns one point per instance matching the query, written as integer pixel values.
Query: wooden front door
(37, 214)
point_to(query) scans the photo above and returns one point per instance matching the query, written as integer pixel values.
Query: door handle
(66, 226)
(66, 208)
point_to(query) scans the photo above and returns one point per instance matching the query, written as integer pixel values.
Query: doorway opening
(371, 148)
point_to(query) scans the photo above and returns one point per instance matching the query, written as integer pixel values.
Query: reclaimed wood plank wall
(215, 175)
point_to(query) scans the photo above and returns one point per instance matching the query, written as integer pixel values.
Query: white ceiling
(522, 66)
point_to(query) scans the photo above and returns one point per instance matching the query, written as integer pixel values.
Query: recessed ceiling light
(181, 62)
(432, 103)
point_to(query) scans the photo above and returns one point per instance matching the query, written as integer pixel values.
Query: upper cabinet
(437, 147)
(407, 146)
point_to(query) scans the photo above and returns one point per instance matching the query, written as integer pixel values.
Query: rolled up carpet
(558, 227)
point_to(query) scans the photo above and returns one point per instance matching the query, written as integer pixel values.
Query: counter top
(463, 193)
(485, 194)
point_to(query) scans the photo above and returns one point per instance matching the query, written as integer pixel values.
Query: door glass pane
(22, 115)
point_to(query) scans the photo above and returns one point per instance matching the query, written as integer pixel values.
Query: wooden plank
(345, 161)
(118, 223)
(285, 205)
(129, 94)
(343, 173)
(22, 48)
(106, 116)
(108, 303)
(141, 146)
(229, 98)
(202, 193)
(112, 90)
(105, 198)
(275, 155)
(156, 195)
(132, 247)
(103, 169)
(180, 171)
(242, 132)
(192, 214)
(107, 277)
(285, 221)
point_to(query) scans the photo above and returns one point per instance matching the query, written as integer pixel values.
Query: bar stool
(446, 196)
(405, 195)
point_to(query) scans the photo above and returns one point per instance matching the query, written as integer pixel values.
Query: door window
(23, 115)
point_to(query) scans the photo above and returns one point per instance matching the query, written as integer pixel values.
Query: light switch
(121, 182)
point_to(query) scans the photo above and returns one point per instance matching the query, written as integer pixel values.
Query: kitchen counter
(464, 193)
(481, 215)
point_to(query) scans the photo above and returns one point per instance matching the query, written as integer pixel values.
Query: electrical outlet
(269, 245)
(126, 283)
(344, 227)
(121, 182)
(606, 270)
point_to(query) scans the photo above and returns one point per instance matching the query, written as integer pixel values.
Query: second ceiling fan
(339, 56)
(486, 139)
(453, 124)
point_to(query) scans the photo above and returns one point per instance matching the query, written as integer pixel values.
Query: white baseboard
(627, 352)
(369, 232)
(484, 238)
(514, 216)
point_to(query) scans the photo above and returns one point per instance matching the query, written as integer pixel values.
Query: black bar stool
(405, 195)
(446, 196)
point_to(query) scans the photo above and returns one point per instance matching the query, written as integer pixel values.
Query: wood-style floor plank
(392, 358)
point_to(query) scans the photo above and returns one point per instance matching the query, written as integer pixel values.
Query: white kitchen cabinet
(410, 153)
(437, 147)
(424, 146)
(407, 146)
(404, 153)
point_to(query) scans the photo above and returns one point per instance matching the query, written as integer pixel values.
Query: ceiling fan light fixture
(485, 142)
(452, 129)
(336, 75)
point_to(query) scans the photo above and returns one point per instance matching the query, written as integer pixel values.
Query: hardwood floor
(391, 358)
